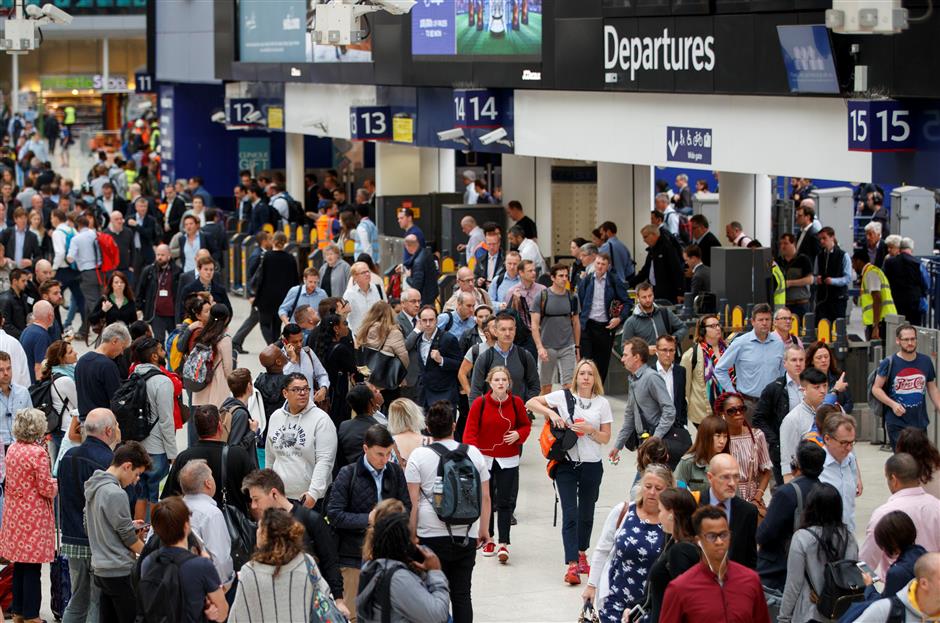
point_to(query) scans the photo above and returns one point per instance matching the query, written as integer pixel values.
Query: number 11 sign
(880, 125)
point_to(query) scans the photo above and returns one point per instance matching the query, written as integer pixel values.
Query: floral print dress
(636, 546)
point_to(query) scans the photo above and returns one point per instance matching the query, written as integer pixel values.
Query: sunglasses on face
(735, 410)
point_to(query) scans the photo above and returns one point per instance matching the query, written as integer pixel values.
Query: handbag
(241, 530)
(385, 371)
(59, 571)
(322, 607)
(588, 614)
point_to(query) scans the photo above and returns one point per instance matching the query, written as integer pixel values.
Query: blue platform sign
(807, 55)
(370, 123)
(144, 82)
(692, 145)
(880, 125)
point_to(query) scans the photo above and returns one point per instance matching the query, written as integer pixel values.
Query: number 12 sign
(880, 125)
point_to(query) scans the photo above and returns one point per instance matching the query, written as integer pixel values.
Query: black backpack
(160, 594)
(843, 586)
(131, 406)
(295, 211)
(40, 395)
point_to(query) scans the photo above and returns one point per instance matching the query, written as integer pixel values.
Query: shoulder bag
(241, 530)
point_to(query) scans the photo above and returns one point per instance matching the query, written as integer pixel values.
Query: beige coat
(695, 386)
(394, 343)
(217, 390)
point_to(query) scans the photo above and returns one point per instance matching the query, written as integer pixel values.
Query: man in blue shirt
(36, 339)
(621, 261)
(308, 293)
(406, 220)
(756, 356)
(13, 397)
(841, 467)
(901, 384)
(508, 278)
(460, 319)
(83, 252)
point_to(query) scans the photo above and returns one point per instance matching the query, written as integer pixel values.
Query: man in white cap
(470, 193)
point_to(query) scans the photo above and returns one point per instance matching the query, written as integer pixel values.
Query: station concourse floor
(530, 588)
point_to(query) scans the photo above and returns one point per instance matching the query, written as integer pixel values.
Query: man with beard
(156, 292)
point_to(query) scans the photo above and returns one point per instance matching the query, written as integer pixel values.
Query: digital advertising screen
(276, 31)
(477, 30)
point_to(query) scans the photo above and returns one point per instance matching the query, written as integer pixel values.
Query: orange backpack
(555, 441)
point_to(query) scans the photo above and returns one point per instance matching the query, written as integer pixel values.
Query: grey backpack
(457, 496)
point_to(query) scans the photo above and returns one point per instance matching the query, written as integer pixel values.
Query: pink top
(921, 507)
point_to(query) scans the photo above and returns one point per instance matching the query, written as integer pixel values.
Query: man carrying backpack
(556, 329)
(521, 365)
(97, 377)
(447, 517)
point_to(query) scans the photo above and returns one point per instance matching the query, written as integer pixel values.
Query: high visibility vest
(69, 115)
(867, 301)
(324, 230)
(780, 286)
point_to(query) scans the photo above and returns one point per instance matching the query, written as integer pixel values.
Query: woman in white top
(405, 423)
(59, 365)
(579, 479)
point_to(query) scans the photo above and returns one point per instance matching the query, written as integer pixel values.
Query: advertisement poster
(474, 29)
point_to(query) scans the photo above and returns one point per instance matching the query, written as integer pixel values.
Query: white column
(436, 170)
(15, 83)
(642, 205)
(542, 212)
(397, 169)
(105, 64)
(294, 165)
(747, 199)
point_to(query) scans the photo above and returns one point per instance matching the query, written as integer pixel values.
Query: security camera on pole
(21, 32)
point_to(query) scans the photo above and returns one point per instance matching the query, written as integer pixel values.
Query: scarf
(709, 359)
(65, 370)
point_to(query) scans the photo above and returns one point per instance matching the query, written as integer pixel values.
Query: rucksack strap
(898, 613)
(798, 513)
(222, 474)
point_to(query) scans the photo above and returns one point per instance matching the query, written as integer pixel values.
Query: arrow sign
(692, 145)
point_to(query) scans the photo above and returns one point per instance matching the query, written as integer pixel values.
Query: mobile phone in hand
(864, 568)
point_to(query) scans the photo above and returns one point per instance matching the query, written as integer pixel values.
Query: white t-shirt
(422, 469)
(598, 412)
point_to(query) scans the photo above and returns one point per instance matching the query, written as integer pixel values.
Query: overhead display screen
(477, 30)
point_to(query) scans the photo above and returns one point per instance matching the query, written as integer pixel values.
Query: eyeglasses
(713, 537)
(712, 325)
(845, 443)
(467, 280)
(299, 390)
(735, 410)
(665, 350)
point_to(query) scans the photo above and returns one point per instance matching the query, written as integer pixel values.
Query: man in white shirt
(277, 201)
(841, 467)
(528, 249)
(206, 520)
(469, 226)
(470, 195)
(361, 295)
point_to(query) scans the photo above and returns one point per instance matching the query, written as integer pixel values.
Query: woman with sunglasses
(749, 447)
(701, 386)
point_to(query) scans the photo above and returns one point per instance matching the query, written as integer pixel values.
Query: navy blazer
(482, 261)
(424, 276)
(437, 382)
(614, 290)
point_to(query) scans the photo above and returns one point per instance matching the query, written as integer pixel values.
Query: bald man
(465, 284)
(475, 236)
(723, 480)
(42, 271)
(36, 338)
(157, 291)
(199, 488)
(101, 434)
(270, 382)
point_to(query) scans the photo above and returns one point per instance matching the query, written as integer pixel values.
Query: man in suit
(215, 230)
(723, 478)
(19, 243)
(663, 266)
(438, 358)
(110, 201)
(489, 256)
(700, 275)
(408, 316)
(189, 242)
(674, 376)
(422, 269)
(875, 247)
(776, 400)
(206, 282)
(187, 278)
(175, 208)
(597, 324)
(703, 238)
(265, 244)
(807, 243)
(147, 232)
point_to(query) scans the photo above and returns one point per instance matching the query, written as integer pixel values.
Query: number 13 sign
(880, 125)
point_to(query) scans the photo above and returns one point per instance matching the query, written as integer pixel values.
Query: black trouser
(162, 325)
(596, 342)
(463, 410)
(118, 600)
(774, 449)
(270, 326)
(457, 561)
(504, 488)
(27, 590)
(831, 309)
(250, 322)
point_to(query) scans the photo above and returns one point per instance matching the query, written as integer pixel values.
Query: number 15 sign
(880, 125)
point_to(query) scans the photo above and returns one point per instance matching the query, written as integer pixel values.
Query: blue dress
(637, 545)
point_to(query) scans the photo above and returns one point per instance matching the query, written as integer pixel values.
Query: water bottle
(438, 491)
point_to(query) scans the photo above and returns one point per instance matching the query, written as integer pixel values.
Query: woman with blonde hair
(406, 423)
(27, 537)
(584, 410)
(379, 331)
(282, 567)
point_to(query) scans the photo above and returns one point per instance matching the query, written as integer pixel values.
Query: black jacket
(150, 232)
(666, 264)
(775, 532)
(424, 275)
(219, 294)
(14, 310)
(216, 232)
(175, 209)
(773, 406)
(708, 242)
(31, 247)
(679, 400)
(276, 275)
(743, 549)
(147, 287)
(319, 543)
(350, 437)
(436, 382)
(907, 283)
(353, 497)
(809, 247)
(239, 465)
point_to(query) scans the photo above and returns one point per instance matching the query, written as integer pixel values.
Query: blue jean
(149, 485)
(578, 486)
(83, 604)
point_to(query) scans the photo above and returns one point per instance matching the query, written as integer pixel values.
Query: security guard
(875, 296)
(780, 286)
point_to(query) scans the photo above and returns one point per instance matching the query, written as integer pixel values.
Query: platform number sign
(143, 82)
(477, 108)
(880, 125)
(243, 111)
(370, 123)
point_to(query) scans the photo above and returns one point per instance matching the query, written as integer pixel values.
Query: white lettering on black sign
(667, 52)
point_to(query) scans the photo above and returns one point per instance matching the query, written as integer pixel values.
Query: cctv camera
(56, 14)
(34, 11)
(495, 136)
(253, 117)
(451, 135)
(396, 7)
(218, 117)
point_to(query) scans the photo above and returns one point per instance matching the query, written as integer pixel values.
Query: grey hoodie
(878, 612)
(412, 598)
(110, 528)
(660, 321)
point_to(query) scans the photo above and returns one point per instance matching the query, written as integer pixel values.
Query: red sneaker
(489, 549)
(503, 554)
(572, 577)
(583, 566)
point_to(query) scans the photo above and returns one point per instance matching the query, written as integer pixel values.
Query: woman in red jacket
(498, 426)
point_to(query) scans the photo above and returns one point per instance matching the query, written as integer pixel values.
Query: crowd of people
(361, 474)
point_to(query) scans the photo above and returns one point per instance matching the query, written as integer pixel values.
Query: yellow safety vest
(867, 301)
(69, 115)
(780, 286)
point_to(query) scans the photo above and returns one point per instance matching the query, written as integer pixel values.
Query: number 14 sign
(880, 125)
